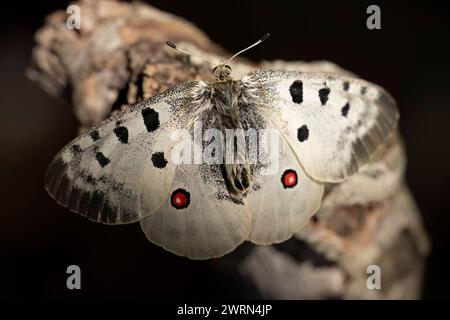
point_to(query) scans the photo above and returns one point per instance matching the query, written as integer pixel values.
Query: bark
(119, 57)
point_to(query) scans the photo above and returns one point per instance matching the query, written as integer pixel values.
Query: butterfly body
(225, 114)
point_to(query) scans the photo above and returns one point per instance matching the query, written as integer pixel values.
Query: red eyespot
(289, 179)
(180, 199)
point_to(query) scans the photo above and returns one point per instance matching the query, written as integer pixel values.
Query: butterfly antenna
(264, 37)
(174, 46)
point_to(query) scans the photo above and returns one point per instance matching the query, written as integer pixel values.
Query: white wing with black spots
(333, 123)
(119, 172)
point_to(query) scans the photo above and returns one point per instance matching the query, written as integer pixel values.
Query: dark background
(409, 56)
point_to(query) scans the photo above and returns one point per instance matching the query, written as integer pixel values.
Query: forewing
(333, 123)
(120, 171)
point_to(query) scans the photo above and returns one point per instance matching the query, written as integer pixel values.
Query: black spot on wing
(122, 134)
(296, 91)
(151, 119)
(363, 90)
(344, 110)
(158, 160)
(346, 85)
(76, 148)
(94, 135)
(101, 159)
(323, 95)
(302, 133)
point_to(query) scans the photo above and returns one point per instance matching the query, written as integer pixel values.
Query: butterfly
(122, 171)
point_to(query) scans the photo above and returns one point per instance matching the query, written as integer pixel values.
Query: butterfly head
(222, 73)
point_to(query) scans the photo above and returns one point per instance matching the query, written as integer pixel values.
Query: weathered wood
(119, 57)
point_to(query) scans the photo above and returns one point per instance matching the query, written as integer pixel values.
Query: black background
(409, 56)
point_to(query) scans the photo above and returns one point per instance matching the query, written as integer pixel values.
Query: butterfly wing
(283, 198)
(199, 219)
(333, 123)
(119, 171)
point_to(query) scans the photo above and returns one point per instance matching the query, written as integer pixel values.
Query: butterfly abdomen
(235, 167)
